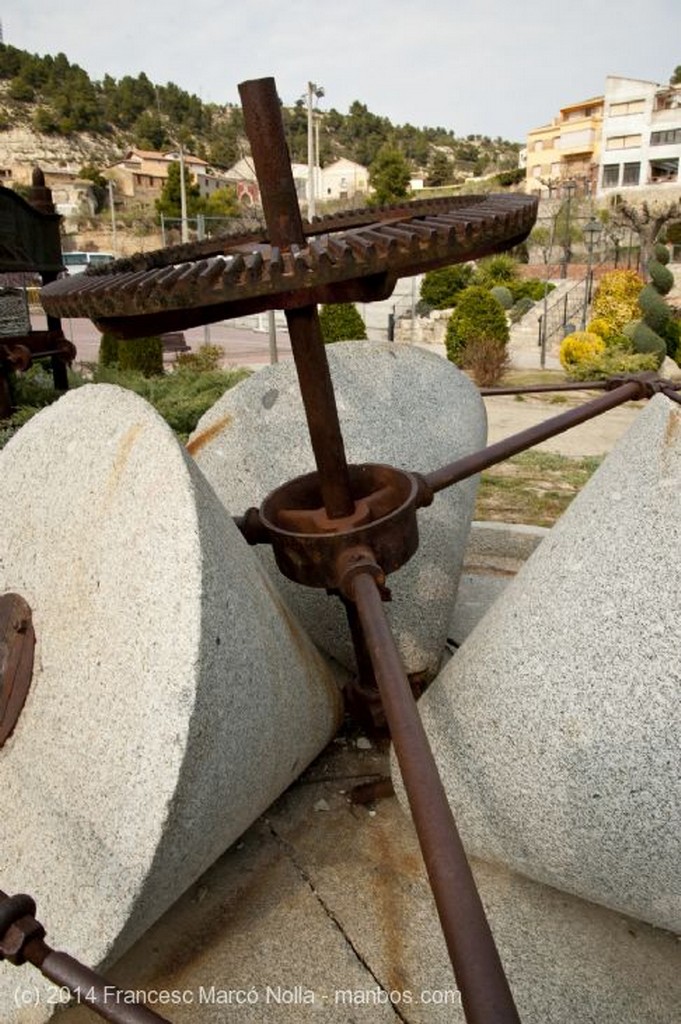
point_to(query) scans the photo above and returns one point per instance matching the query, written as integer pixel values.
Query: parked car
(77, 262)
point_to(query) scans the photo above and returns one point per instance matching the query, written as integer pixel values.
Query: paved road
(242, 347)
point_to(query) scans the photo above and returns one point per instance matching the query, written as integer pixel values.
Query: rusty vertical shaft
(485, 993)
(262, 117)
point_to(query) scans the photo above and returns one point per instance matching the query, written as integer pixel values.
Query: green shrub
(530, 288)
(661, 276)
(610, 363)
(672, 337)
(646, 340)
(206, 358)
(661, 253)
(656, 312)
(502, 295)
(520, 309)
(499, 269)
(341, 322)
(440, 288)
(145, 355)
(108, 350)
(477, 316)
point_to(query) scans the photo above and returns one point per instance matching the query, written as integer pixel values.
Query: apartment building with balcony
(567, 149)
(641, 147)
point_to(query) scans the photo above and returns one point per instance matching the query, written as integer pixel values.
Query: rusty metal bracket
(17, 644)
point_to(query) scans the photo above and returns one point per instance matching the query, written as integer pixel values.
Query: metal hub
(17, 643)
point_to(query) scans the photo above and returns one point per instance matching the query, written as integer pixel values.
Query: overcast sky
(494, 67)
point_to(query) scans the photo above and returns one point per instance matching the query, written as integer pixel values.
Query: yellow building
(567, 149)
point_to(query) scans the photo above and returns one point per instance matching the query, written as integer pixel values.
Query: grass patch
(533, 488)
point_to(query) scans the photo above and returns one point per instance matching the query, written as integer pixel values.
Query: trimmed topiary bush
(477, 315)
(646, 340)
(656, 312)
(502, 295)
(661, 276)
(661, 253)
(341, 322)
(144, 355)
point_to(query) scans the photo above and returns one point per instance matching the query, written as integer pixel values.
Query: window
(631, 174)
(539, 145)
(611, 175)
(536, 171)
(663, 170)
(627, 107)
(623, 142)
(666, 138)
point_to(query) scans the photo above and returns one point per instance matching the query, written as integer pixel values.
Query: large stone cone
(174, 695)
(556, 726)
(397, 405)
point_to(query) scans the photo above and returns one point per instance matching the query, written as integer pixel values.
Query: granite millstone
(397, 405)
(174, 695)
(556, 726)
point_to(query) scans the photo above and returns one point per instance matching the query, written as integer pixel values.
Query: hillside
(51, 112)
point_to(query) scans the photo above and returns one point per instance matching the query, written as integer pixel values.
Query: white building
(641, 138)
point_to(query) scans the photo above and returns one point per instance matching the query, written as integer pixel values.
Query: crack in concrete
(291, 854)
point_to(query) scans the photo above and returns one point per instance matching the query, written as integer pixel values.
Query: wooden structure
(30, 244)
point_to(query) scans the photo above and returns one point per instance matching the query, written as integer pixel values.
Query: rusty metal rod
(475, 463)
(485, 993)
(90, 989)
(264, 127)
(536, 389)
(22, 939)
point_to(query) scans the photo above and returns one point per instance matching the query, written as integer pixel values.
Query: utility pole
(313, 92)
(113, 217)
(183, 199)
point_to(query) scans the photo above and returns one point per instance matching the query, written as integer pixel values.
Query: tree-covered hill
(54, 97)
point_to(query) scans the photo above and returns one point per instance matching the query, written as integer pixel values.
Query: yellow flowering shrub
(580, 347)
(616, 298)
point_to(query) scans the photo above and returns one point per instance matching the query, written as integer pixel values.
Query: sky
(488, 67)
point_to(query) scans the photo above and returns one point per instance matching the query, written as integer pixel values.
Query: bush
(609, 364)
(661, 276)
(502, 295)
(145, 355)
(440, 288)
(206, 358)
(477, 316)
(487, 360)
(531, 288)
(578, 348)
(655, 310)
(616, 298)
(661, 253)
(520, 308)
(602, 327)
(646, 340)
(108, 350)
(499, 269)
(341, 322)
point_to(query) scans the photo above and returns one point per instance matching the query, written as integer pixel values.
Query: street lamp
(592, 232)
